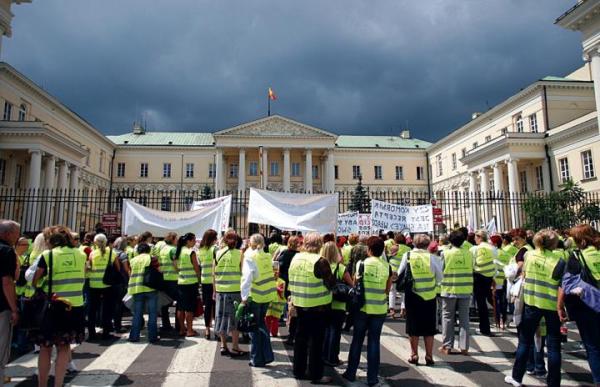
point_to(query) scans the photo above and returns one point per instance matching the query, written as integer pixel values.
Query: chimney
(405, 134)
(138, 128)
(475, 115)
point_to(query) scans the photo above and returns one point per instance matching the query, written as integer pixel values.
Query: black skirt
(188, 295)
(420, 315)
(61, 327)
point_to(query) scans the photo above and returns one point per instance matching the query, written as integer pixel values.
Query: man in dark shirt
(9, 234)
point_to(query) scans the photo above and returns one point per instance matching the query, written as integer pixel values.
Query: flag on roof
(272, 95)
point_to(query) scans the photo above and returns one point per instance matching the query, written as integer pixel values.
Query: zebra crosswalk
(197, 361)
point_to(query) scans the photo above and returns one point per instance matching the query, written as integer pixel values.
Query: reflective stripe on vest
(166, 263)
(205, 259)
(306, 289)
(484, 260)
(458, 272)
(228, 274)
(99, 262)
(68, 274)
(138, 264)
(187, 274)
(397, 259)
(264, 288)
(375, 277)
(540, 290)
(591, 255)
(424, 280)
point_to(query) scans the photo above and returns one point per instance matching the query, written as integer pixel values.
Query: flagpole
(268, 105)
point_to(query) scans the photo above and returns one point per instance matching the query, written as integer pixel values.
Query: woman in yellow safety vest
(542, 272)
(206, 256)
(102, 296)
(377, 280)
(144, 298)
(187, 283)
(421, 305)
(483, 277)
(258, 289)
(64, 323)
(333, 333)
(227, 272)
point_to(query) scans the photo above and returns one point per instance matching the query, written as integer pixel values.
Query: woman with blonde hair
(102, 295)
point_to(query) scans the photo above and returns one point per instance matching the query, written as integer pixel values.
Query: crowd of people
(318, 285)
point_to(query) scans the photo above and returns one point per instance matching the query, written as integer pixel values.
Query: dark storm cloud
(346, 66)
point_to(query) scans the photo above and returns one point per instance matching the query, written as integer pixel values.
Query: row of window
(273, 171)
(8, 109)
(587, 163)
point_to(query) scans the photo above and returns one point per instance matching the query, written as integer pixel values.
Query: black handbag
(111, 276)
(357, 293)
(35, 308)
(341, 291)
(21, 281)
(406, 280)
(153, 278)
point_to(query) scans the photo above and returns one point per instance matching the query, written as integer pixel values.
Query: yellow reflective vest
(307, 290)
(68, 274)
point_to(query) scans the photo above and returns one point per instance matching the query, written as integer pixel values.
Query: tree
(360, 198)
(561, 209)
(206, 193)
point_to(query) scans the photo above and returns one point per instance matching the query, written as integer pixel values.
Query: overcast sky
(346, 66)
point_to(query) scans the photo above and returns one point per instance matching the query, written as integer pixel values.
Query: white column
(499, 191)
(75, 197)
(11, 172)
(219, 172)
(546, 176)
(308, 180)
(265, 169)
(330, 171)
(35, 169)
(49, 172)
(594, 57)
(63, 188)
(242, 170)
(35, 172)
(472, 197)
(485, 193)
(513, 190)
(286, 170)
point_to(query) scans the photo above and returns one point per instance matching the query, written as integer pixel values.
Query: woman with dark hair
(65, 324)
(206, 256)
(187, 283)
(227, 271)
(587, 319)
(143, 296)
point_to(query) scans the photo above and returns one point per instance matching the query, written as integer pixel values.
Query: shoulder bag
(111, 275)
(341, 290)
(405, 280)
(357, 293)
(35, 308)
(153, 278)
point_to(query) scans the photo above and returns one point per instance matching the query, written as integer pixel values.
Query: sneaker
(71, 367)
(530, 372)
(540, 375)
(36, 348)
(509, 380)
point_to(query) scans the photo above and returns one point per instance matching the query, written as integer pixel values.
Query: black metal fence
(82, 209)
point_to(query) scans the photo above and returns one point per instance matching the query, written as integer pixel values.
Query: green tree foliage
(360, 198)
(560, 209)
(206, 193)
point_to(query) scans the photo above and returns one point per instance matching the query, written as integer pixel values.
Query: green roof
(562, 79)
(388, 142)
(164, 139)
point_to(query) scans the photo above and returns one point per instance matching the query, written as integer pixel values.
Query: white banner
(224, 201)
(137, 219)
(364, 224)
(291, 211)
(394, 217)
(347, 223)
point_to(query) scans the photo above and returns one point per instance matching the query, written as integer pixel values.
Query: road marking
(279, 372)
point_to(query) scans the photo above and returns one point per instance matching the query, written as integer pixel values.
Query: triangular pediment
(275, 126)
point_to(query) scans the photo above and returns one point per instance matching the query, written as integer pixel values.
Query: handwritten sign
(364, 224)
(394, 217)
(347, 223)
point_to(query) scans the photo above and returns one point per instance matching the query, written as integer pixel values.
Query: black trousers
(102, 302)
(482, 289)
(170, 288)
(308, 344)
(209, 304)
(120, 291)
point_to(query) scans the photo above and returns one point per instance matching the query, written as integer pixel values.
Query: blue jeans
(362, 323)
(333, 335)
(588, 324)
(150, 300)
(535, 362)
(527, 328)
(261, 352)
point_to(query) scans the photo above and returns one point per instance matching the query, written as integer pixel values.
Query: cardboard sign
(395, 217)
(347, 223)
